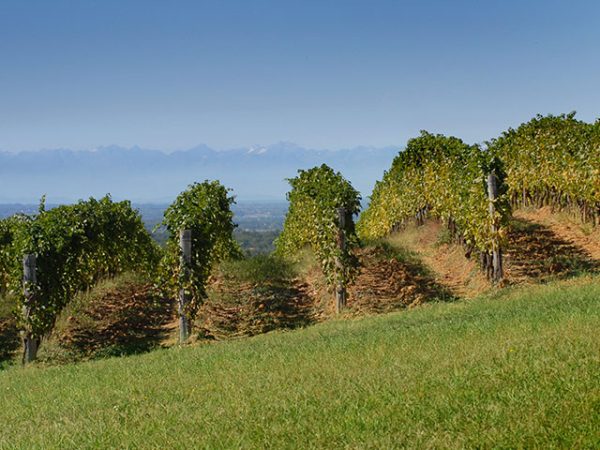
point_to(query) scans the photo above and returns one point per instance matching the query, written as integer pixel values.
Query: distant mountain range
(141, 175)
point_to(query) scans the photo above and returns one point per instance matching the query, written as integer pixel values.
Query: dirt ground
(541, 246)
(235, 309)
(582, 236)
(122, 318)
(446, 261)
(544, 246)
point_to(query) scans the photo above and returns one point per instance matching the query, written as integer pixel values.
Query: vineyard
(444, 178)
(553, 161)
(323, 264)
(550, 161)
(66, 250)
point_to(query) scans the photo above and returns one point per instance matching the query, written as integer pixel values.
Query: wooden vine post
(497, 271)
(185, 245)
(30, 342)
(340, 288)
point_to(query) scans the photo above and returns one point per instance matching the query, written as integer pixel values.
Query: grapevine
(554, 161)
(205, 209)
(75, 246)
(445, 178)
(312, 220)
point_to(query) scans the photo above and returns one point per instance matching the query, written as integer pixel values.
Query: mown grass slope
(519, 368)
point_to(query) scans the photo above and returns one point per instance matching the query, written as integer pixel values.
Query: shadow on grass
(393, 278)
(127, 319)
(245, 310)
(253, 296)
(535, 252)
(9, 341)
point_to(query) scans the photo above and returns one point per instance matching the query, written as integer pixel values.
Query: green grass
(520, 368)
(257, 269)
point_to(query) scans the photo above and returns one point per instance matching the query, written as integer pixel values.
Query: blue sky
(326, 74)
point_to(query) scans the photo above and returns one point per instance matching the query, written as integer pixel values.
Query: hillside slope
(541, 246)
(519, 369)
(413, 266)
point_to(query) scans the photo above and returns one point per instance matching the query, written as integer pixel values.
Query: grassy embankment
(519, 368)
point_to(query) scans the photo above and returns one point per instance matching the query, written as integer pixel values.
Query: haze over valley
(256, 173)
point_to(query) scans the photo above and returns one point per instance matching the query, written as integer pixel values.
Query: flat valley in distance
(259, 223)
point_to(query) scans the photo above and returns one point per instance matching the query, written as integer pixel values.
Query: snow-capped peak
(257, 150)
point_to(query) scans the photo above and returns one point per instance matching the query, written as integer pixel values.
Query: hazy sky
(330, 74)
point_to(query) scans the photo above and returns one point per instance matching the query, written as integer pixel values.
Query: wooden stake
(185, 245)
(497, 271)
(340, 289)
(30, 342)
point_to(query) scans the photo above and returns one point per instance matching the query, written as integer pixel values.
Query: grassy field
(519, 368)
